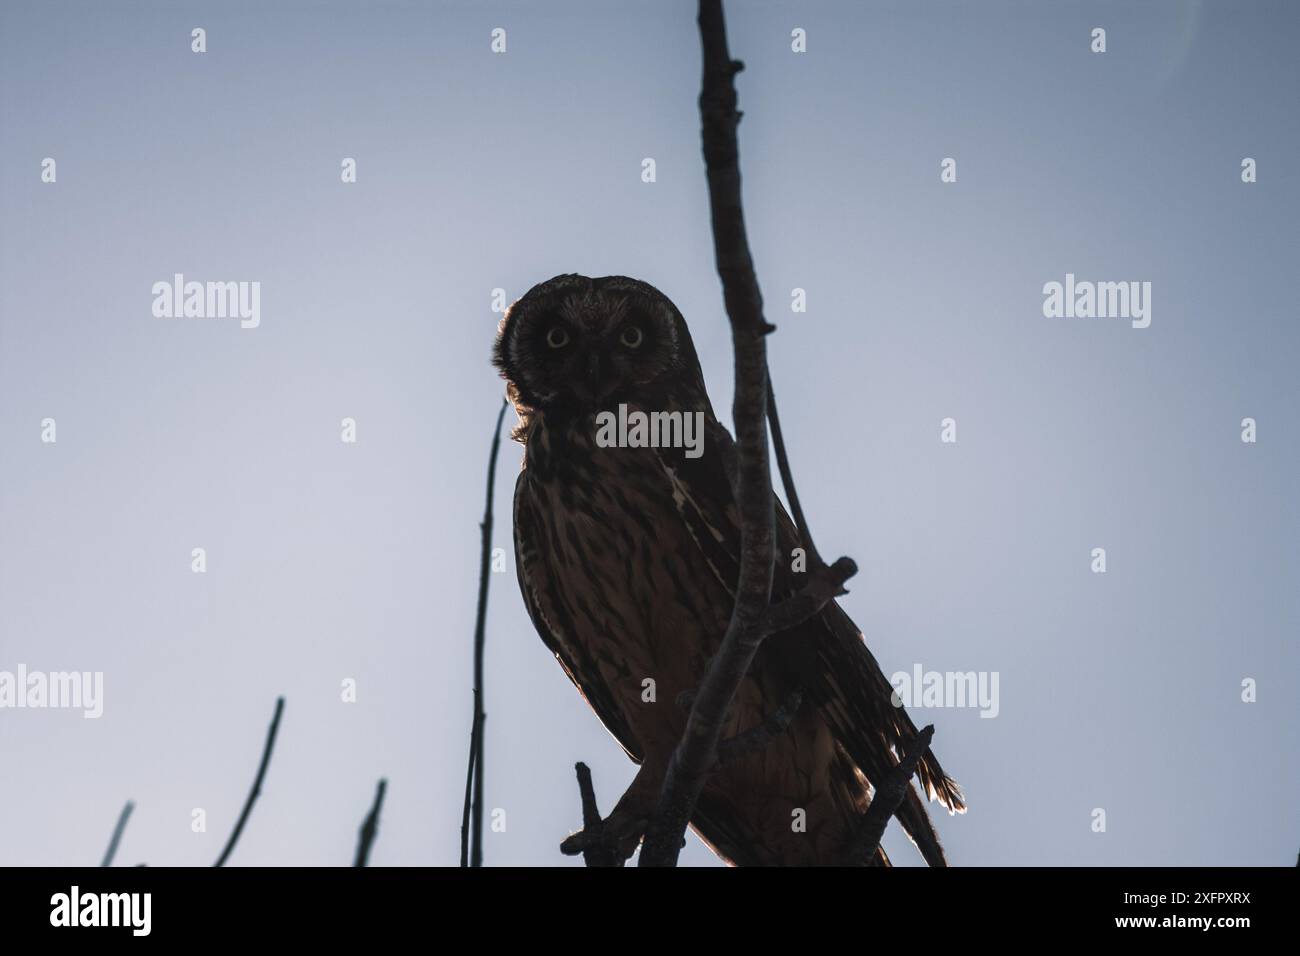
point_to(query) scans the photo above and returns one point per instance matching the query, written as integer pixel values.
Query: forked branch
(598, 847)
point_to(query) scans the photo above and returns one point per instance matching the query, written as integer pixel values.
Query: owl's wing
(553, 626)
(827, 653)
(712, 819)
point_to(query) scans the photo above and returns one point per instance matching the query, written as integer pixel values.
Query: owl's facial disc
(583, 347)
(588, 362)
(578, 345)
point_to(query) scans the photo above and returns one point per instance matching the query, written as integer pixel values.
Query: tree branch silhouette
(787, 478)
(257, 784)
(592, 840)
(474, 776)
(370, 827)
(117, 834)
(752, 616)
(886, 801)
(756, 739)
(469, 786)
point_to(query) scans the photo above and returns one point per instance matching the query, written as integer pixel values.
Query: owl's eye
(557, 338)
(631, 337)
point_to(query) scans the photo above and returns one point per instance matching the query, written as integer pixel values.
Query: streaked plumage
(626, 560)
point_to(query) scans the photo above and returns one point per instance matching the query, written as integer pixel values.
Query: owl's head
(579, 344)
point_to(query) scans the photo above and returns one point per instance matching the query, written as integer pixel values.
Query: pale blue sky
(329, 561)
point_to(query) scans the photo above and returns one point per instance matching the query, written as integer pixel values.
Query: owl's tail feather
(916, 821)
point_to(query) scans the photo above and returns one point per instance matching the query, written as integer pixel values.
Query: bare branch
(886, 801)
(591, 841)
(469, 785)
(117, 834)
(257, 784)
(371, 825)
(701, 750)
(474, 776)
(757, 738)
(787, 479)
(824, 585)
(590, 811)
(696, 753)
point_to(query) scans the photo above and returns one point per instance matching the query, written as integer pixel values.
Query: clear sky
(329, 561)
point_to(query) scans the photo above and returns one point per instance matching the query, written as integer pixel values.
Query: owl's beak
(591, 388)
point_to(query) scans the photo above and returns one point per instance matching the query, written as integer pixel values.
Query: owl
(628, 554)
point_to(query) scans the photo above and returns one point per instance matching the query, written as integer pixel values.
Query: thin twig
(824, 584)
(117, 833)
(886, 801)
(257, 784)
(371, 825)
(469, 785)
(787, 479)
(591, 841)
(480, 639)
(590, 811)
